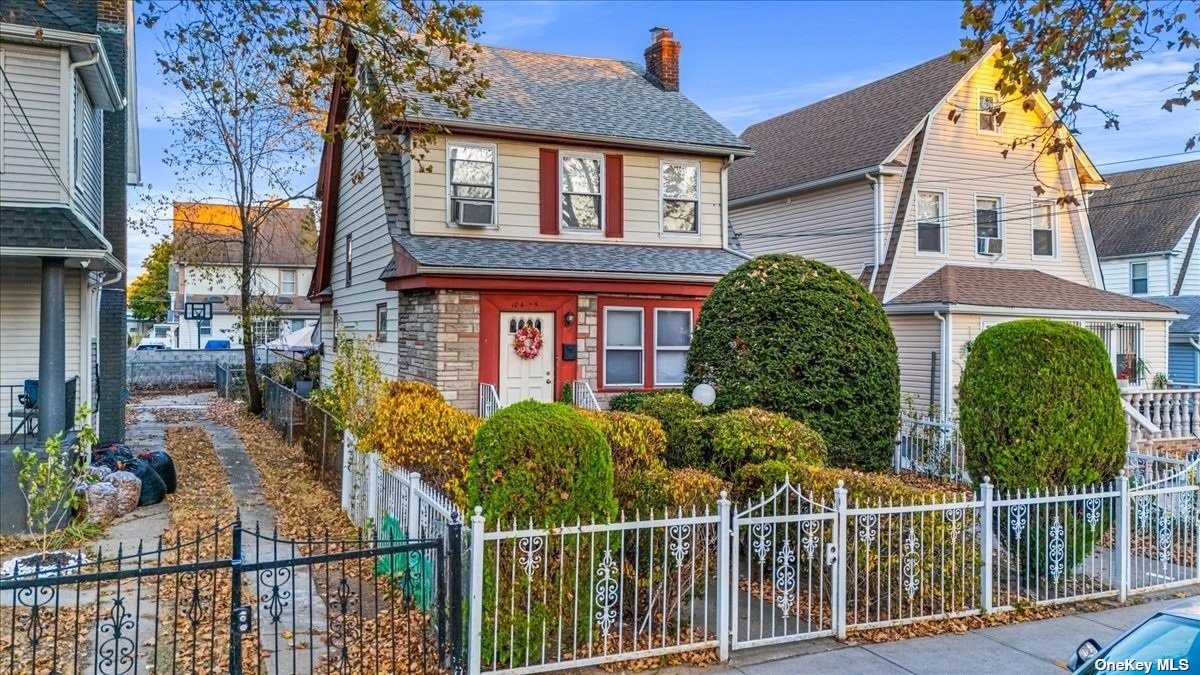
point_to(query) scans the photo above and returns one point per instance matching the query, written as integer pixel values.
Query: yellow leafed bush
(415, 429)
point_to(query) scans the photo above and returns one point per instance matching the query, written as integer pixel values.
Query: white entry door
(526, 378)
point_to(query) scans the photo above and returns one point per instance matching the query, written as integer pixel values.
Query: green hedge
(679, 415)
(802, 338)
(752, 435)
(541, 461)
(1039, 406)
(638, 445)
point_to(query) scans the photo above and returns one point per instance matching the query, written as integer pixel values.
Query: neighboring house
(1184, 340)
(902, 183)
(1145, 230)
(68, 148)
(584, 200)
(207, 245)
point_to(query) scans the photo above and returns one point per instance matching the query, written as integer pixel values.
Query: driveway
(1030, 647)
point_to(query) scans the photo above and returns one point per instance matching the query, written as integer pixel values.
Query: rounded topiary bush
(1039, 406)
(752, 435)
(541, 461)
(799, 337)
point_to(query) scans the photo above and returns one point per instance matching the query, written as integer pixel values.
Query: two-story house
(566, 232)
(205, 267)
(912, 184)
(1145, 229)
(1144, 226)
(68, 148)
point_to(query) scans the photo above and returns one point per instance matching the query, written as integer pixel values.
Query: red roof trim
(543, 284)
(329, 181)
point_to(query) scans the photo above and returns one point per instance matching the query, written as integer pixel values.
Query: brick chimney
(662, 59)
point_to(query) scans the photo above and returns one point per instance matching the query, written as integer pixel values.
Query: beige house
(913, 185)
(561, 238)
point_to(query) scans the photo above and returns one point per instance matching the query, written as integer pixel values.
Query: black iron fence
(236, 600)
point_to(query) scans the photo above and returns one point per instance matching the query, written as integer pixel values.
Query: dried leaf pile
(386, 631)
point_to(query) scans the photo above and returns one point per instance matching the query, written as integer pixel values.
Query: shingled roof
(285, 238)
(556, 93)
(854, 130)
(1185, 304)
(1017, 288)
(1146, 210)
(57, 227)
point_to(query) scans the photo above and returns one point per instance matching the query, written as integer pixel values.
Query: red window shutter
(614, 196)
(549, 190)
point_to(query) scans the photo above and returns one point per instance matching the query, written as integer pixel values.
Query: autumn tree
(255, 78)
(1054, 47)
(148, 299)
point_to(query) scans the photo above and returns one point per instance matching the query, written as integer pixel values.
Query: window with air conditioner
(988, 238)
(472, 184)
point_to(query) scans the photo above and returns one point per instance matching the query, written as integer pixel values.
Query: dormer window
(680, 184)
(472, 184)
(582, 197)
(989, 105)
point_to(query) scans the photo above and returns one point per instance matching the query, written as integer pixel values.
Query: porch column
(52, 351)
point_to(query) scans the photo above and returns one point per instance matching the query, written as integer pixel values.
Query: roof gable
(575, 95)
(858, 129)
(210, 234)
(1146, 210)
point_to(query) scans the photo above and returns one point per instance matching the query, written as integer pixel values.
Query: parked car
(1169, 641)
(151, 347)
(218, 344)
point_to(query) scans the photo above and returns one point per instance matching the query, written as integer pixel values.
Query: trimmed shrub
(541, 461)
(752, 435)
(627, 401)
(415, 429)
(549, 464)
(679, 415)
(1039, 406)
(687, 488)
(637, 443)
(802, 338)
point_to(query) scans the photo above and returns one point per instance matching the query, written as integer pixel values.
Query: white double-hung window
(1045, 244)
(471, 174)
(931, 209)
(988, 233)
(623, 347)
(680, 185)
(672, 337)
(582, 192)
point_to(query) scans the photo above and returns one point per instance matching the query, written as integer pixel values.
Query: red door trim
(490, 336)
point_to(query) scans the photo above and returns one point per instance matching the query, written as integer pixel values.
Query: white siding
(519, 205)
(964, 163)
(88, 190)
(36, 77)
(361, 216)
(918, 341)
(20, 306)
(1160, 278)
(833, 225)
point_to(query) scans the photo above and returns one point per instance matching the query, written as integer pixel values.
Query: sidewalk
(1030, 647)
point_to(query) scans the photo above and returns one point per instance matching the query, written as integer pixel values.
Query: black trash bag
(163, 465)
(112, 456)
(153, 487)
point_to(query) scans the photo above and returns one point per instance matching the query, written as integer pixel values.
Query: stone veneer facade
(438, 343)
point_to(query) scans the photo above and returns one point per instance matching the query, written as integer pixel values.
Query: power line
(30, 134)
(946, 222)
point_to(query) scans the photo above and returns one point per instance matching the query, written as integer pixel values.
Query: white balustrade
(1170, 413)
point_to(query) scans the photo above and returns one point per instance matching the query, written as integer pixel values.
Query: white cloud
(1136, 94)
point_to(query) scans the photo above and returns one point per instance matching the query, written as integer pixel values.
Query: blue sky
(747, 61)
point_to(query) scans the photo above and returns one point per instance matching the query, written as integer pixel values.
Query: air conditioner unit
(990, 246)
(471, 213)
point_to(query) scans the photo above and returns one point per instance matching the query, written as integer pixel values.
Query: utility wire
(31, 135)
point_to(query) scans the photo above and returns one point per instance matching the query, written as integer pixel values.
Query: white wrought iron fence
(930, 446)
(583, 396)
(489, 400)
(790, 565)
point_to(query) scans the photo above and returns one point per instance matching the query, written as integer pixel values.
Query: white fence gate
(789, 566)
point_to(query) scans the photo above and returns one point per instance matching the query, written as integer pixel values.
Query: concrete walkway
(1031, 647)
